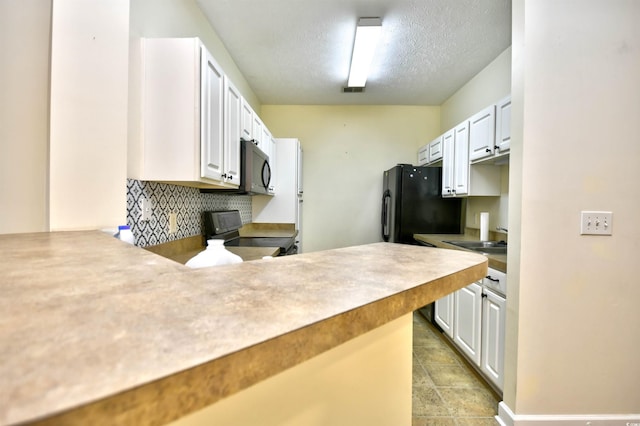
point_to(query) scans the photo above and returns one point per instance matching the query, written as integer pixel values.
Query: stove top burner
(225, 224)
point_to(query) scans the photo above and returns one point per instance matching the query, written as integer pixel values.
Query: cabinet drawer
(496, 280)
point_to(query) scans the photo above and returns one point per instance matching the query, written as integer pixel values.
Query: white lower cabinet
(474, 318)
(444, 314)
(467, 320)
(493, 328)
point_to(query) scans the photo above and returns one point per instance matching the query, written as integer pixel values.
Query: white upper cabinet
(233, 117)
(459, 177)
(503, 125)
(190, 117)
(257, 127)
(435, 150)
(211, 118)
(431, 152)
(423, 155)
(448, 164)
(482, 133)
(247, 121)
(461, 159)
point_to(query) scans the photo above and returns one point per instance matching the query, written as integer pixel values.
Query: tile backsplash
(188, 203)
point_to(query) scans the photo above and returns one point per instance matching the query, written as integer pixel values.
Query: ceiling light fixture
(367, 36)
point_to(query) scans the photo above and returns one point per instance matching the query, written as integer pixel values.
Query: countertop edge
(184, 392)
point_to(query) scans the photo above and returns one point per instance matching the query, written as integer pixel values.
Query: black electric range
(225, 225)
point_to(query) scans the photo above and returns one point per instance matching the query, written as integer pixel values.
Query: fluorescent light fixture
(367, 36)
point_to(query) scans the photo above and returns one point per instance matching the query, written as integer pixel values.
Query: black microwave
(255, 171)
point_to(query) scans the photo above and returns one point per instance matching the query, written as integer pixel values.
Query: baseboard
(506, 417)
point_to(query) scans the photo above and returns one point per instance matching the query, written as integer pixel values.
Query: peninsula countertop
(93, 329)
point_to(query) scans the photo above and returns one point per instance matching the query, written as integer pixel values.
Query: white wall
(24, 115)
(576, 86)
(88, 127)
(346, 150)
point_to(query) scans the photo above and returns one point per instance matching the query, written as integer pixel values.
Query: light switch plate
(145, 209)
(596, 223)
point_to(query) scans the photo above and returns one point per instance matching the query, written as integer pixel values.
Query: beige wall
(24, 115)
(576, 85)
(346, 150)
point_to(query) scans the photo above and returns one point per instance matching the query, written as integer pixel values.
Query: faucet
(499, 228)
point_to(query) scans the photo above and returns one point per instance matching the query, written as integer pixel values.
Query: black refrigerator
(412, 204)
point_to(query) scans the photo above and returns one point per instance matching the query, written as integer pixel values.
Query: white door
(443, 314)
(448, 163)
(503, 124)
(211, 117)
(467, 321)
(461, 159)
(482, 133)
(233, 117)
(493, 330)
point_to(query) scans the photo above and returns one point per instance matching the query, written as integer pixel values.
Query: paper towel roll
(484, 226)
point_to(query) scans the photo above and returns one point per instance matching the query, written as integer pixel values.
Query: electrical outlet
(145, 209)
(596, 223)
(173, 223)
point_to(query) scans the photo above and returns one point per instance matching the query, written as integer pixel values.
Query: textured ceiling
(298, 51)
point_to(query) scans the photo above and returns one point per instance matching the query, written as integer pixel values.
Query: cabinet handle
(488, 150)
(496, 147)
(484, 294)
(224, 175)
(492, 279)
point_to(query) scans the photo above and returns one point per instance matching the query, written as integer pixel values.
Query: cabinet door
(233, 118)
(448, 164)
(211, 117)
(503, 124)
(482, 133)
(257, 131)
(461, 159)
(493, 331)
(423, 155)
(435, 150)
(444, 314)
(246, 121)
(467, 321)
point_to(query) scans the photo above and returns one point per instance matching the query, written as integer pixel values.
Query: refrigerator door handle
(386, 197)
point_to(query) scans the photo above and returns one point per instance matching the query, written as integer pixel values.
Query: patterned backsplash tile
(187, 203)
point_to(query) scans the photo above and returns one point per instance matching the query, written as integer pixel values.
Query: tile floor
(446, 391)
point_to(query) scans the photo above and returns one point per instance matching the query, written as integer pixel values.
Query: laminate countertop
(496, 261)
(93, 330)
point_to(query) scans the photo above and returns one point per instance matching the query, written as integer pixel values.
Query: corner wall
(25, 28)
(577, 90)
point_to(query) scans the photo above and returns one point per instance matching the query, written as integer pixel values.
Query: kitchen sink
(487, 247)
